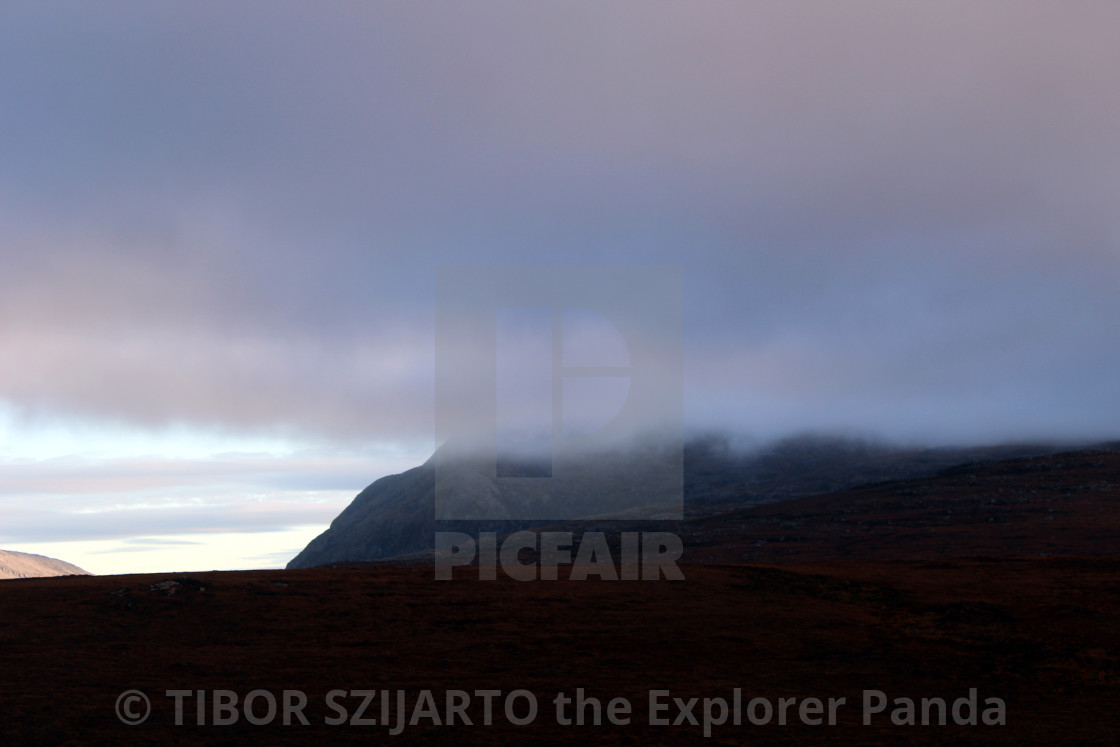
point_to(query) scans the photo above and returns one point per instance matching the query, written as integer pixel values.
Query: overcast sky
(220, 225)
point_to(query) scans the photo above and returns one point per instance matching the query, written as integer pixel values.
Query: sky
(221, 223)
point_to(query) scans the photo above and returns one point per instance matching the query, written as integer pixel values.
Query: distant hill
(394, 516)
(26, 565)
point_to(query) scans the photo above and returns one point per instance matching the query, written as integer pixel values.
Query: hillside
(394, 516)
(26, 565)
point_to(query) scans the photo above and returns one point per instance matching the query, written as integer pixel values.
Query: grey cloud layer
(890, 217)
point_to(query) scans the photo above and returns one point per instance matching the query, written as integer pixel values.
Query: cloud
(895, 217)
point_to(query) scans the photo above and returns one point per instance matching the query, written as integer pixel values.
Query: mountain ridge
(394, 515)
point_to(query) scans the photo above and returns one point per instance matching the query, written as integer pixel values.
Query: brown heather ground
(808, 617)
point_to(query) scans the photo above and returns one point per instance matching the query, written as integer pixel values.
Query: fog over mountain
(220, 228)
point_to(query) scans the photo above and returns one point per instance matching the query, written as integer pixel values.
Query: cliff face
(396, 515)
(26, 565)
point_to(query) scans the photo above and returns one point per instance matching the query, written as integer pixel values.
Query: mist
(890, 221)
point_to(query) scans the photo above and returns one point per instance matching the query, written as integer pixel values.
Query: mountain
(26, 565)
(395, 515)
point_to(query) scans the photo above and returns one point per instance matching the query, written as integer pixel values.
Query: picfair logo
(548, 379)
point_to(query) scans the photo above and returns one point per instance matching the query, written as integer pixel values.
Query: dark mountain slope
(395, 515)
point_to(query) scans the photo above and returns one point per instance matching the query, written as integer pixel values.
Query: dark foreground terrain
(1041, 634)
(877, 589)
